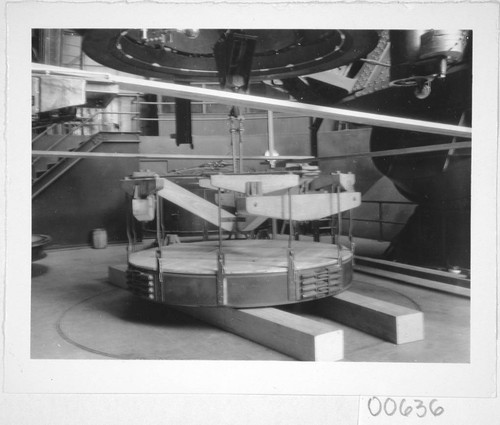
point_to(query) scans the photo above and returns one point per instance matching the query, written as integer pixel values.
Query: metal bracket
(221, 284)
(158, 265)
(291, 284)
(221, 281)
(293, 294)
(319, 283)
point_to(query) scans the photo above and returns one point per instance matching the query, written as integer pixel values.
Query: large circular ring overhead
(188, 55)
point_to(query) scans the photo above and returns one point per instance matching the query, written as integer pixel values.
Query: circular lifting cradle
(254, 273)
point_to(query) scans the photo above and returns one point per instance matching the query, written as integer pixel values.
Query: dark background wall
(90, 196)
(86, 197)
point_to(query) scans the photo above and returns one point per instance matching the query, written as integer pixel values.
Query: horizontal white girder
(159, 156)
(196, 204)
(268, 182)
(304, 207)
(259, 102)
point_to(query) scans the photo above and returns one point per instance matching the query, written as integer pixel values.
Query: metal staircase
(45, 176)
(46, 170)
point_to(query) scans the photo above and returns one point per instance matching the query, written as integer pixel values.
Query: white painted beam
(196, 205)
(159, 156)
(268, 182)
(259, 102)
(305, 207)
(382, 319)
(299, 337)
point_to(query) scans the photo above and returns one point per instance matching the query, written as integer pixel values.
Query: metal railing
(80, 126)
(44, 132)
(380, 220)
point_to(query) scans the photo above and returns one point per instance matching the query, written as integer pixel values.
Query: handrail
(80, 125)
(381, 220)
(72, 130)
(38, 136)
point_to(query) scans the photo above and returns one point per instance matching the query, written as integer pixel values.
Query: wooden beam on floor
(382, 319)
(296, 336)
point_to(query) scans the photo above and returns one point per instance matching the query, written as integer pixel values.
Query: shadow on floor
(38, 269)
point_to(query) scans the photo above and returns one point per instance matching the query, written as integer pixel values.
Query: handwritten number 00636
(405, 408)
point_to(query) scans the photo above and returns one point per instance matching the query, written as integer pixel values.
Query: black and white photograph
(249, 205)
(351, 244)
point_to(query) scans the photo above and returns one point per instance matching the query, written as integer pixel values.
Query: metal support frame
(232, 131)
(221, 280)
(240, 142)
(314, 126)
(352, 245)
(236, 126)
(339, 228)
(332, 223)
(292, 287)
(159, 239)
(129, 226)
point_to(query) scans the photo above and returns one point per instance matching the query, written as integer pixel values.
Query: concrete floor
(77, 314)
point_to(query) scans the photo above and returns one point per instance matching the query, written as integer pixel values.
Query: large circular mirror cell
(188, 55)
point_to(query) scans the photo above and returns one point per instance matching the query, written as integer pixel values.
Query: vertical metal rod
(158, 225)
(130, 223)
(221, 278)
(291, 285)
(60, 44)
(339, 217)
(158, 237)
(136, 123)
(132, 227)
(350, 228)
(332, 221)
(233, 146)
(205, 227)
(240, 130)
(351, 243)
(339, 245)
(270, 138)
(270, 132)
(162, 225)
(290, 223)
(274, 227)
(219, 209)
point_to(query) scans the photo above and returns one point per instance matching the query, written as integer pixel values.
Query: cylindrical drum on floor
(99, 238)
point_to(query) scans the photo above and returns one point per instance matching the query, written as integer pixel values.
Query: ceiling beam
(159, 156)
(258, 102)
